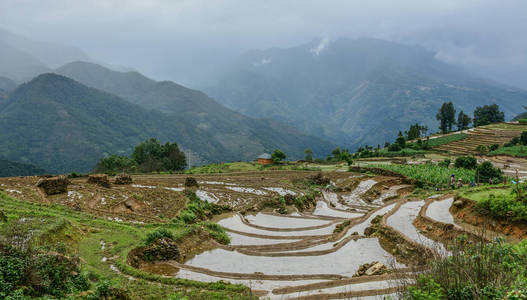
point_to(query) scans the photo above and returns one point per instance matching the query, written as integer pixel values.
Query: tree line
(148, 156)
(483, 115)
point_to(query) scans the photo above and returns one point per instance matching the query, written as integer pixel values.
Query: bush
(38, 274)
(486, 172)
(217, 232)
(445, 163)
(523, 138)
(494, 147)
(482, 149)
(466, 162)
(474, 271)
(158, 234)
(504, 206)
(394, 148)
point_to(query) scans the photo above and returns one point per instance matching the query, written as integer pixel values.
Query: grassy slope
(84, 238)
(518, 151)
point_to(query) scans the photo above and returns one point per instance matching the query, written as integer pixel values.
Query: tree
(308, 155)
(466, 162)
(400, 140)
(115, 164)
(278, 155)
(486, 171)
(446, 116)
(488, 114)
(416, 131)
(463, 120)
(523, 138)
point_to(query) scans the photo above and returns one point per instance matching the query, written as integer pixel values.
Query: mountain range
(354, 91)
(62, 125)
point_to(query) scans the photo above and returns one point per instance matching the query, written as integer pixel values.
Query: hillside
(6, 86)
(242, 138)
(18, 64)
(11, 169)
(353, 92)
(63, 126)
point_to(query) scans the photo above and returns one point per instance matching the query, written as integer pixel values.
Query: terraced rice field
(311, 254)
(486, 135)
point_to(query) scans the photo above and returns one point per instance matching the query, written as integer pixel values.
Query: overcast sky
(179, 39)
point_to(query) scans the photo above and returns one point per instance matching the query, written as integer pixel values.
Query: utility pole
(189, 158)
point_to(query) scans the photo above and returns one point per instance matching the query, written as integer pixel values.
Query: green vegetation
(518, 151)
(57, 229)
(436, 142)
(493, 270)
(341, 155)
(199, 210)
(488, 114)
(278, 155)
(446, 117)
(148, 156)
(463, 121)
(466, 162)
(10, 169)
(507, 203)
(197, 122)
(430, 173)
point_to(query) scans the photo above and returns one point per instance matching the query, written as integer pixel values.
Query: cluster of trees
(485, 172)
(483, 115)
(278, 155)
(148, 156)
(340, 155)
(522, 140)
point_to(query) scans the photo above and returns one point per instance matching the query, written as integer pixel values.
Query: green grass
(429, 173)
(446, 139)
(255, 167)
(482, 193)
(518, 151)
(83, 234)
(500, 203)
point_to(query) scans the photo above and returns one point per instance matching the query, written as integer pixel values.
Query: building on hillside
(265, 159)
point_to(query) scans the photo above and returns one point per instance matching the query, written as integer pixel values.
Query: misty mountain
(50, 54)
(63, 126)
(6, 86)
(243, 138)
(19, 65)
(10, 169)
(354, 92)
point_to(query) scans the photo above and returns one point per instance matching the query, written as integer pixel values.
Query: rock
(374, 268)
(191, 182)
(123, 178)
(459, 203)
(99, 179)
(377, 269)
(53, 185)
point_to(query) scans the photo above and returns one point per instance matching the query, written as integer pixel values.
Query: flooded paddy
(439, 211)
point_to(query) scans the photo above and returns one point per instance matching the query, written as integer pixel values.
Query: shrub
(394, 148)
(466, 162)
(473, 271)
(158, 234)
(487, 172)
(445, 163)
(523, 138)
(482, 149)
(494, 147)
(504, 206)
(217, 232)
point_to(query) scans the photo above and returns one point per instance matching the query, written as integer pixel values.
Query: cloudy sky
(184, 39)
